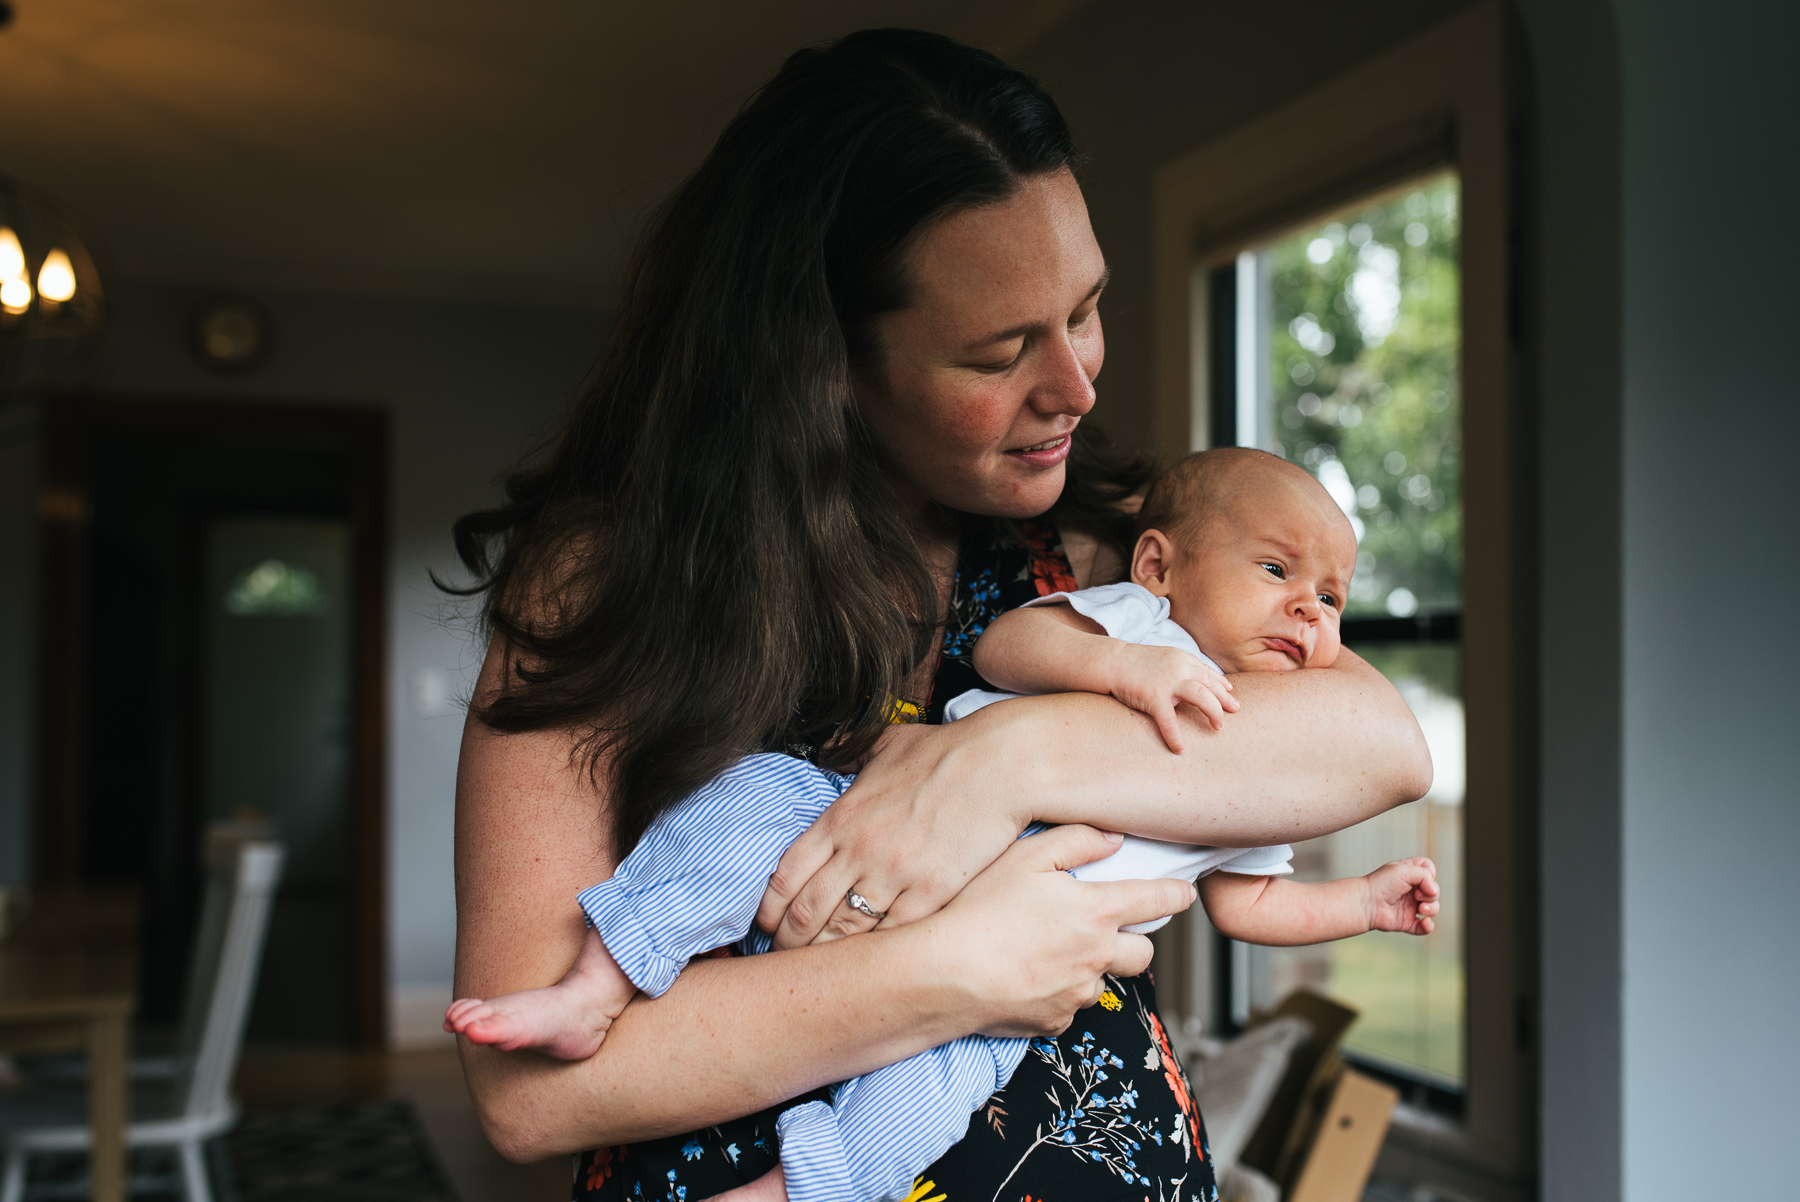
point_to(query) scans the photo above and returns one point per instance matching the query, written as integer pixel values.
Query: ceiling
(398, 146)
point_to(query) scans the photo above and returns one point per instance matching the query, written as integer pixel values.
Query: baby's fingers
(1167, 725)
(1203, 699)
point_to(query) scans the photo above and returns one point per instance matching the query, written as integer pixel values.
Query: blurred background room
(286, 288)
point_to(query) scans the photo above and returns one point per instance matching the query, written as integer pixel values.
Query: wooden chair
(193, 1103)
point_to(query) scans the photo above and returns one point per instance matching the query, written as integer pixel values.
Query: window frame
(1439, 100)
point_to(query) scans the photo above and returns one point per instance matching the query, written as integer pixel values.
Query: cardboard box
(1343, 1152)
(1279, 1146)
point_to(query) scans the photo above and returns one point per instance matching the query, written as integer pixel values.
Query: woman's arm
(1309, 752)
(734, 1036)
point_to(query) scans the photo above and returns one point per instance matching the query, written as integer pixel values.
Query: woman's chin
(1020, 496)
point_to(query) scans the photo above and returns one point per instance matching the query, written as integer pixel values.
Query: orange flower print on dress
(1172, 1073)
(600, 1166)
(1049, 566)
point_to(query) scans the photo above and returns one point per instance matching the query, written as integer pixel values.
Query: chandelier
(52, 307)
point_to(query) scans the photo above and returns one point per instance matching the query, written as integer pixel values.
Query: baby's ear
(1151, 560)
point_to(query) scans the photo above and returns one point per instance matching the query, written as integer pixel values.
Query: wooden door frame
(65, 509)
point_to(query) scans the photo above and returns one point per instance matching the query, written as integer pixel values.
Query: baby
(1246, 556)
(1241, 553)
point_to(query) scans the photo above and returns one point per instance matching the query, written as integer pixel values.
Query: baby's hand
(1153, 680)
(1403, 896)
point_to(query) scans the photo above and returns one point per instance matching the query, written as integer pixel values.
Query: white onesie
(1132, 612)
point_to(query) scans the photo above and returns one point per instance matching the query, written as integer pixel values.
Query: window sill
(1426, 1151)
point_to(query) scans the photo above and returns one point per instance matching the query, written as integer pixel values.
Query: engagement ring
(858, 902)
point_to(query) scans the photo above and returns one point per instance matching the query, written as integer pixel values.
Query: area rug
(357, 1152)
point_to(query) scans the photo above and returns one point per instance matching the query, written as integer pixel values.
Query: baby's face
(1260, 582)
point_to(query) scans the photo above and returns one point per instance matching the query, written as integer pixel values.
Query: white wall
(469, 388)
(1711, 971)
(1569, 81)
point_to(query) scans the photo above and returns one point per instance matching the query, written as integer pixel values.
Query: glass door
(275, 719)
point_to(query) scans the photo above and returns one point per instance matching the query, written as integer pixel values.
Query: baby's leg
(568, 1020)
(770, 1187)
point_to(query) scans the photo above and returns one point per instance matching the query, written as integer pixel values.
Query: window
(1428, 106)
(1344, 346)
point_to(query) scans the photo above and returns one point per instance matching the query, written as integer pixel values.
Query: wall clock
(231, 334)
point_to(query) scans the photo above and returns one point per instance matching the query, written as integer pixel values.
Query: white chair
(218, 856)
(194, 1104)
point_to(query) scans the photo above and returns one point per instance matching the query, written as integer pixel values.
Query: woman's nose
(1065, 384)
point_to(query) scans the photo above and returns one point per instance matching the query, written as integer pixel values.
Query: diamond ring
(858, 902)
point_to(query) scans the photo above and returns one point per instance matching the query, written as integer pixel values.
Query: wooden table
(68, 980)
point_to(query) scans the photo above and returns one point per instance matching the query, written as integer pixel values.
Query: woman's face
(986, 374)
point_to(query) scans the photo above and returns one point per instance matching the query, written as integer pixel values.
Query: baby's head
(1254, 556)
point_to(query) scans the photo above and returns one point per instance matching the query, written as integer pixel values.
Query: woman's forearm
(728, 1039)
(731, 1037)
(1309, 752)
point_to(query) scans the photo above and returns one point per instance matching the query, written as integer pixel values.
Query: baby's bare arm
(1277, 912)
(1053, 649)
(1046, 649)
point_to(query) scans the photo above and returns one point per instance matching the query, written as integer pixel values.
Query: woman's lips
(1048, 453)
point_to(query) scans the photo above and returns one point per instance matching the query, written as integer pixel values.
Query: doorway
(214, 655)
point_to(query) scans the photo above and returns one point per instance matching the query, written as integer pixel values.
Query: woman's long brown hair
(706, 561)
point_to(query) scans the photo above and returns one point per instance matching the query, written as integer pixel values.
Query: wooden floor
(433, 1082)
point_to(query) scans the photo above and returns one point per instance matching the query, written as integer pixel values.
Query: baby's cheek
(1325, 651)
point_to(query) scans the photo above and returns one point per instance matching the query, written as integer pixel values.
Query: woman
(836, 429)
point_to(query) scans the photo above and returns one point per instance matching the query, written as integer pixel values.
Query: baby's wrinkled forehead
(1239, 493)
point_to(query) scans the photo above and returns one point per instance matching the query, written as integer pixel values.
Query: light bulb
(12, 255)
(56, 278)
(15, 295)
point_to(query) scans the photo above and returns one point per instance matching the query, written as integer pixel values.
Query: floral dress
(1101, 1113)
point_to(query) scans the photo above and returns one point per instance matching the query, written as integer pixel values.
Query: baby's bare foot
(554, 1021)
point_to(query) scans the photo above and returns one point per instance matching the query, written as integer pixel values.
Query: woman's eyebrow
(1019, 331)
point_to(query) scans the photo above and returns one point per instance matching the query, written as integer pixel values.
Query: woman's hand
(1309, 752)
(1034, 945)
(913, 829)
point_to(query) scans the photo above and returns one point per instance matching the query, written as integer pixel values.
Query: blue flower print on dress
(1099, 1128)
(974, 605)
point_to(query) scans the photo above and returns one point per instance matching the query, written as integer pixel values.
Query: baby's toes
(472, 1016)
(493, 1027)
(458, 1009)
